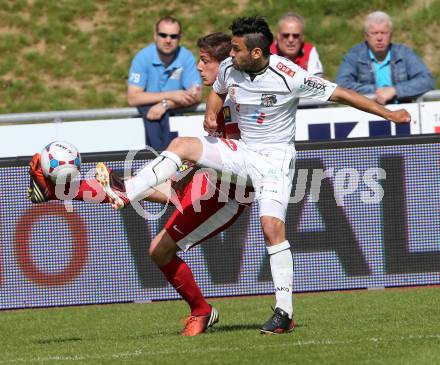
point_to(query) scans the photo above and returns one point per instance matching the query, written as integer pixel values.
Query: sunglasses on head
(287, 35)
(165, 35)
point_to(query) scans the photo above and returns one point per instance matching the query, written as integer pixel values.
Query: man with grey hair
(390, 71)
(290, 44)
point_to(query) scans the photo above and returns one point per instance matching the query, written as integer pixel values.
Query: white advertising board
(125, 134)
(430, 115)
(347, 122)
(324, 123)
(87, 136)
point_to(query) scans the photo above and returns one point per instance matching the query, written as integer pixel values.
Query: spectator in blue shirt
(390, 71)
(163, 77)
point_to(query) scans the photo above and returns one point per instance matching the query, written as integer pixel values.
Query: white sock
(156, 172)
(281, 266)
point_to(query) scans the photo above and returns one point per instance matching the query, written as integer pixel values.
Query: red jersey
(206, 209)
(226, 127)
(302, 60)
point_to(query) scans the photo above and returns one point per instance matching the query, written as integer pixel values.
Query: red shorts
(206, 211)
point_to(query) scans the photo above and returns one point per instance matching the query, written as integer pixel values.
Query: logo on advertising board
(268, 99)
(314, 84)
(287, 70)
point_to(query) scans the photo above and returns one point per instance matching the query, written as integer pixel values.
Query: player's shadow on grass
(242, 327)
(50, 341)
(236, 327)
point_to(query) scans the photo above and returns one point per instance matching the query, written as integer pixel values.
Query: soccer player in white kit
(265, 91)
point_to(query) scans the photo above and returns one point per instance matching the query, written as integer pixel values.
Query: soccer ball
(60, 161)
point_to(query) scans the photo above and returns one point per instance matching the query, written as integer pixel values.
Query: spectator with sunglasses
(163, 77)
(290, 44)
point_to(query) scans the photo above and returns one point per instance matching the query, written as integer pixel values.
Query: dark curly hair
(255, 31)
(218, 45)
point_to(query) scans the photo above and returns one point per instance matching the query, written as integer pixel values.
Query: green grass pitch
(399, 326)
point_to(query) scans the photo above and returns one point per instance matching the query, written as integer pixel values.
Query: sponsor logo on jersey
(233, 93)
(287, 70)
(259, 117)
(176, 74)
(268, 99)
(315, 84)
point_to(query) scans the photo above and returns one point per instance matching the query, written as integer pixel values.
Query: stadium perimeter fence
(59, 116)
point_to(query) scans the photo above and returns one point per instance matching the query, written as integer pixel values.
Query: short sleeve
(314, 66)
(138, 76)
(220, 85)
(306, 85)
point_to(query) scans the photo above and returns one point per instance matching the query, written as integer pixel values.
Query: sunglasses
(165, 35)
(294, 35)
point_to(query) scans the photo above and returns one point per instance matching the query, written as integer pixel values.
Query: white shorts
(270, 168)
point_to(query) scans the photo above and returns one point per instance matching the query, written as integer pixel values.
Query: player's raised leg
(156, 172)
(42, 189)
(112, 185)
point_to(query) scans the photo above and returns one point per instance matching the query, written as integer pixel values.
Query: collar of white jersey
(252, 75)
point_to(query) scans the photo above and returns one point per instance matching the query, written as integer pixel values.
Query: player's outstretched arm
(42, 189)
(352, 98)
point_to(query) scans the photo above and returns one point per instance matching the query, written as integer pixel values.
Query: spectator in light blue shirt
(382, 70)
(163, 77)
(390, 71)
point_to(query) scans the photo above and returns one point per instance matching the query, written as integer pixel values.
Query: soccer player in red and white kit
(265, 90)
(207, 206)
(218, 206)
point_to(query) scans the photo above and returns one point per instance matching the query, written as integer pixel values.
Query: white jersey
(314, 65)
(265, 104)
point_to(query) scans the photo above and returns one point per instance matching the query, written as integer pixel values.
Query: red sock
(91, 191)
(181, 278)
